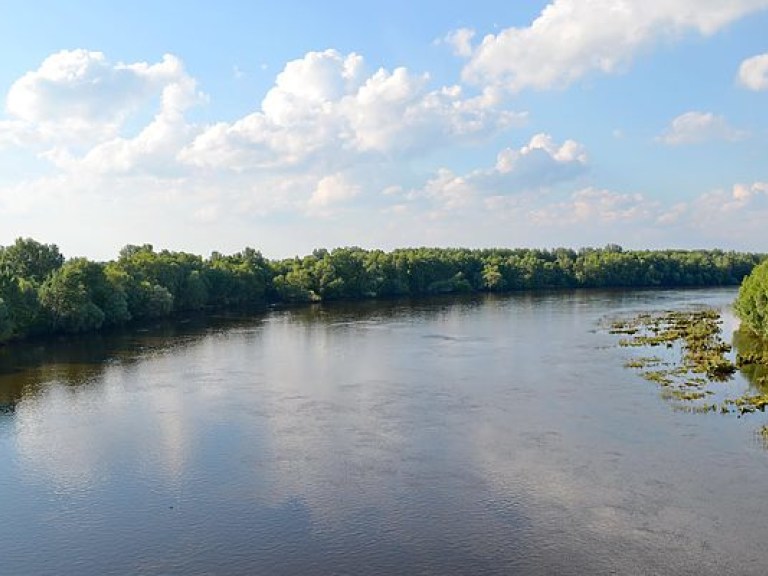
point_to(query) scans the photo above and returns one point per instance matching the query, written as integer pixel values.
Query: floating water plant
(698, 358)
(695, 332)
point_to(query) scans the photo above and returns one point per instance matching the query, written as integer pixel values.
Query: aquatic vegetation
(762, 433)
(688, 396)
(644, 362)
(659, 376)
(700, 359)
(749, 403)
(695, 332)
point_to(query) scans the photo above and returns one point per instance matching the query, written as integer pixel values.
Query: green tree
(149, 301)
(752, 302)
(237, 280)
(104, 291)
(6, 322)
(492, 278)
(31, 260)
(294, 285)
(21, 299)
(66, 300)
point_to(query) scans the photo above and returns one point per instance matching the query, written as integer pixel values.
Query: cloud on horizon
(336, 146)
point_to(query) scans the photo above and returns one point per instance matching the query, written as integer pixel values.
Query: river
(481, 435)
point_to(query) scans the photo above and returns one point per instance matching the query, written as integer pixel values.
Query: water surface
(487, 435)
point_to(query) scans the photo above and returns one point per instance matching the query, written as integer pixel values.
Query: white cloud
(332, 190)
(16, 133)
(727, 218)
(572, 38)
(696, 127)
(725, 205)
(330, 136)
(326, 115)
(596, 206)
(541, 147)
(325, 108)
(744, 192)
(673, 214)
(153, 150)
(753, 72)
(461, 41)
(740, 210)
(537, 165)
(737, 215)
(733, 218)
(78, 96)
(25, 197)
(448, 190)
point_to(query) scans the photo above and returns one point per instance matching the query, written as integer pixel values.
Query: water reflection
(488, 435)
(26, 368)
(748, 345)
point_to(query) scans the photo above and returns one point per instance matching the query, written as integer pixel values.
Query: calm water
(478, 436)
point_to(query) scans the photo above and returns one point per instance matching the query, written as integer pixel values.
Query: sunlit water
(476, 436)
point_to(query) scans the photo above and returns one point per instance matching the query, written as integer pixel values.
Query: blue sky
(293, 125)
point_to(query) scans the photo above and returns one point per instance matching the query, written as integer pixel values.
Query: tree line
(42, 293)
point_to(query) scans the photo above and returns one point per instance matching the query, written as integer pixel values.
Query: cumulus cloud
(672, 214)
(326, 119)
(16, 133)
(77, 94)
(734, 216)
(574, 214)
(326, 116)
(740, 196)
(332, 190)
(448, 190)
(326, 107)
(737, 214)
(541, 155)
(753, 72)
(696, 127)
(539, 185)
(572, 38)
(593, 205)
(537, 165)
(330, 136)
(153, 150)
(461, 41)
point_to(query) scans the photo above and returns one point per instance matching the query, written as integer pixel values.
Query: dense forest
(42, 293)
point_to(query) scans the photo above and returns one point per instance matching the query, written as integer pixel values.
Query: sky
(289, 126)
